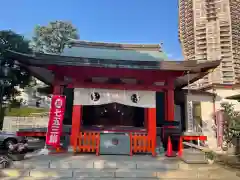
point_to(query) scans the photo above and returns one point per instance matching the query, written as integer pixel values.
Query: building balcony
(201, 43)
(210, 2)
(227, 60)
(235, 44)
(201, 47)
(224, 34)
(235, 31)
(226, 55)
(181, 4)
(227, 78)
(190, 35)
(228, 82)
(235, 27)
(224, 26)
(226, 69)
(189, 28)
(225, 42)
(201, 53)
(200, 28)
(188, 2)
(187, 15)
(234, 11)
(200, 33)
(182, 26)
(236, 55)
(226, 64)
(189, 6)
(191, 42)
(236, 35)
(225, 50)
(225, 45)
(224, 30)
(224, 23)
(189, 21)
(201, 38)
(210, 18)
(211, 14)
(182, 12)
(211, 9)
(224, 37)
(234, 18)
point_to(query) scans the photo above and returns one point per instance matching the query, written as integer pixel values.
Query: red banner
(55, 122)
(220, 124)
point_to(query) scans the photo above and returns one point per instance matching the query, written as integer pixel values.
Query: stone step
(113, 174)
(193, 156)
(98, 164)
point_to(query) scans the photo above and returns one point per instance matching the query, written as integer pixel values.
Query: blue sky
(128, 21)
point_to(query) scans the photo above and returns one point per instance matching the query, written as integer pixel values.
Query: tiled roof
(114, 54)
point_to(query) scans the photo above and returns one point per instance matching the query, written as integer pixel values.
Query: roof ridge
(126, 46)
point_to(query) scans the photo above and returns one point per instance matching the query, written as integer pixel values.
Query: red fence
(87, 142)
(141, 143)
(90, 142)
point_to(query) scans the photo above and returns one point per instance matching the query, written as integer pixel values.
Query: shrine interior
(112, 115)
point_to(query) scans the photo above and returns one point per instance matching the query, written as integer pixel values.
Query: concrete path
(90, 167)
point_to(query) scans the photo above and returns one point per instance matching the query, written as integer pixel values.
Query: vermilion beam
(117, 86)
(145, 75)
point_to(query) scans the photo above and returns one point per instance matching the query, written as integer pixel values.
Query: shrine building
(119, 96)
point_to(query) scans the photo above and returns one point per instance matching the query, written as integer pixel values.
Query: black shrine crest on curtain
(95, 96)
(135, 98)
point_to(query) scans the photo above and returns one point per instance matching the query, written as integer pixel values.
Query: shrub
(25, 111)
(231, 122)
(210, 155)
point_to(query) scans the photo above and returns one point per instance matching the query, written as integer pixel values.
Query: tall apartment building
(210, 30)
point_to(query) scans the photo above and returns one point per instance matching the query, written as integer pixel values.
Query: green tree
(231, 126)
(53, 37)
(18, 76)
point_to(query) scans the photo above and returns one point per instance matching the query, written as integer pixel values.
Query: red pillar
(170, 105)
(169, 96)
(57, 89)
(146, 118)
(152, 128)
(57, 84)
(165, 106)
(76, 122)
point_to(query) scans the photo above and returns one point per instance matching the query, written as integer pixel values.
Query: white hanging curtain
(145, 99)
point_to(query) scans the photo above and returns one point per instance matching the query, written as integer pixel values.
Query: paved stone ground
(90, 167)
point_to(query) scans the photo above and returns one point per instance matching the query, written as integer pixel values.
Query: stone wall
(12, 123)
(207, 112)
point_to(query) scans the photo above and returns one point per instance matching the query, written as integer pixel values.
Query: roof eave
(234, 97)
(46, 59)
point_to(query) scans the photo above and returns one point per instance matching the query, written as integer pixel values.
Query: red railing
(141, 143)
(90, 141)
(87, 142)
